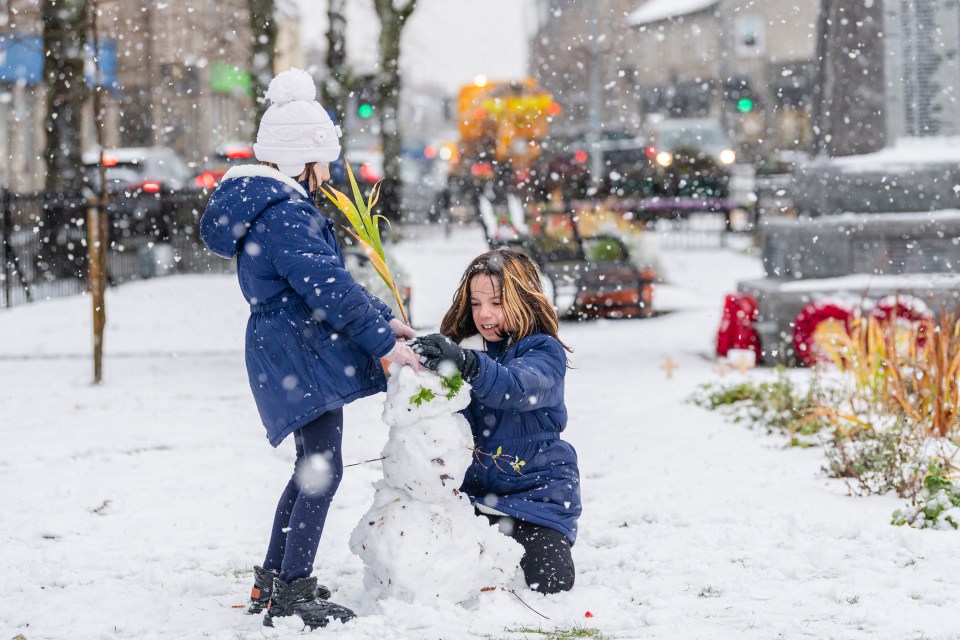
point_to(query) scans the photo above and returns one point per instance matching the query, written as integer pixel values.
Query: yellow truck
(501, 126)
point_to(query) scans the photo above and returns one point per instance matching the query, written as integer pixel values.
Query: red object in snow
(903, 307)
(588, 615)
(809, 319)
(737, 325)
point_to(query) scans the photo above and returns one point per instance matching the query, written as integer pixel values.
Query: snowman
(421, 540)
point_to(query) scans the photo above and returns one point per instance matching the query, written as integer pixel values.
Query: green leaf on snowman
(425, 395)
(452, 384)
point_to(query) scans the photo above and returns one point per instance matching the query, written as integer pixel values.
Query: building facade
(752, 65)
(697, 58)
(177, 75)
(22, 98)
(182, 78)
(582, 53)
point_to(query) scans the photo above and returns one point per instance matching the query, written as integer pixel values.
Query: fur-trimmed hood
(244, 193)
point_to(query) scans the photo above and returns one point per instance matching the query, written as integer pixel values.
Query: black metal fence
(44, 242)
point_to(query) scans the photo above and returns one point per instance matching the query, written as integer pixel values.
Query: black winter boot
(263, 589)
(300, 598)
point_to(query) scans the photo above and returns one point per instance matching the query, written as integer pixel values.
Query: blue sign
(21, 59)
(107, 61)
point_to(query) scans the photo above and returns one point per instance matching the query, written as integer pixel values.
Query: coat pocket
(315, 335)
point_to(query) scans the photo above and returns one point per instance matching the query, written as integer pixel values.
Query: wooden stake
(669, 367)
(98, 227)
(98, 282)
(722, 367)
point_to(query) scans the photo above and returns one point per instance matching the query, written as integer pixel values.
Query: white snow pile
(421, 540)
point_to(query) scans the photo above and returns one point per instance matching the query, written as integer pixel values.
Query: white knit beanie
(295, 129)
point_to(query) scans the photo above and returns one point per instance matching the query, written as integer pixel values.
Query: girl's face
(321, 172)
(487, 308)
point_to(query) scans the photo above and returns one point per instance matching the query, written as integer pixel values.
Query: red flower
(809, 319)
(903, 307)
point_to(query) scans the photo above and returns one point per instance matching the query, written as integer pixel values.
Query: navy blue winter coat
(517, 406)
(314, 335)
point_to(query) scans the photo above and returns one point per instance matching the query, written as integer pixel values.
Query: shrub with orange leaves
(902, 368)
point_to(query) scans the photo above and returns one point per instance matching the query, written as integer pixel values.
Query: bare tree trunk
(335, 87)
(64, 31)
(263, 41)
(393, 18)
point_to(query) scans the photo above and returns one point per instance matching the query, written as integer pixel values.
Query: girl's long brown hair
(308, 167)
(525, 308)
(313, 187)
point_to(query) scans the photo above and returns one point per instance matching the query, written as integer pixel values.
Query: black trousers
(547, 561)
(303, 506)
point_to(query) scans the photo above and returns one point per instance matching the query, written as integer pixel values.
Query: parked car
(680, 158)
(136, 170)
(230, 155)
(143, 187)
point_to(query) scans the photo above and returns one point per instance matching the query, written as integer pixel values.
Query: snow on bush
(421, 540)
(937, 506)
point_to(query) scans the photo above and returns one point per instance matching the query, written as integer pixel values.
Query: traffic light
(739, 94)
(366, 94)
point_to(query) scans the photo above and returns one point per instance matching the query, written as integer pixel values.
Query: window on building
(749, 34)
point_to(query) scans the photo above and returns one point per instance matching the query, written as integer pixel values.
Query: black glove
(436, 348)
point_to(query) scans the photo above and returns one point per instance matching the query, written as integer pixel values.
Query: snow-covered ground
(136, 509)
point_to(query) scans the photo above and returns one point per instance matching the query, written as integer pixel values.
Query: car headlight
(664, 158)
(727, 156)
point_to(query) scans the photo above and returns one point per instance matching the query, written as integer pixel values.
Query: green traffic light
(365, 111)
(744, 105)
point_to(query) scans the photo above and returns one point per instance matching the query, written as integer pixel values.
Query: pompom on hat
(295, 129)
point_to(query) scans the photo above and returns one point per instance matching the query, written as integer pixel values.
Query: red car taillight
(368, 173)
(481, 169)
(240, 153)
(208, 179)
(150, 187)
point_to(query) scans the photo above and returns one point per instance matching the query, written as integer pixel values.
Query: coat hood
(244, 193)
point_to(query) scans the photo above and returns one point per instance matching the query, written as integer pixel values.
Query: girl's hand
(403, 331)
(435, 349)
(404, 355)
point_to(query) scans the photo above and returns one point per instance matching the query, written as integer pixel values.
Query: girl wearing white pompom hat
(314, 337)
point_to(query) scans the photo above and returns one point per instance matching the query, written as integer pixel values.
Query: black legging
(303, 506)
(547, 562)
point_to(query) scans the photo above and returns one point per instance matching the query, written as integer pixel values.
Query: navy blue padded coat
(314, 335)
(517, 406)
